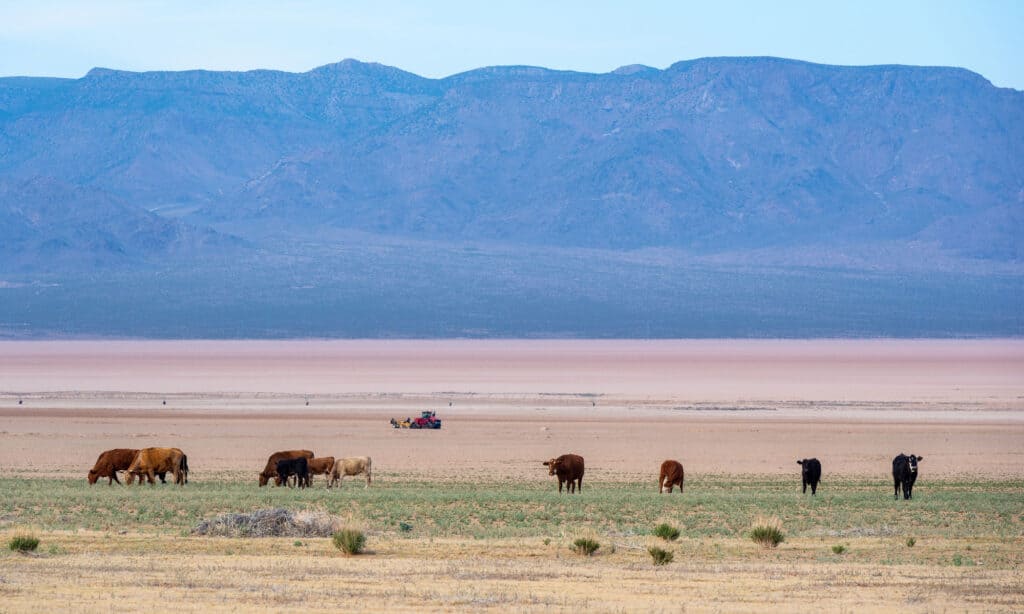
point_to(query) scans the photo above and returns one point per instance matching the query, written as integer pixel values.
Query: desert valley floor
(727, 409)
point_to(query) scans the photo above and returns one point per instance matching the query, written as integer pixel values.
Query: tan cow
(151, 461)
(354, 465)
(270, 471)
(322, 465)
(671, 474)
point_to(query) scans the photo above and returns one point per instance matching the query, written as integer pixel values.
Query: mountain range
(717, 197)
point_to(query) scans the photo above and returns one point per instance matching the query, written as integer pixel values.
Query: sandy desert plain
(466, 518)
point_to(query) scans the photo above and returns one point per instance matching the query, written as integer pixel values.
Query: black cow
(299, 467)
(811, 473)
(904, 471)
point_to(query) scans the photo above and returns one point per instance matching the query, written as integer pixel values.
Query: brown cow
(109, 463)
(568, 468)
(270, 471)
(151, 461)
(322, 465)
(671, 475)
(353, 465)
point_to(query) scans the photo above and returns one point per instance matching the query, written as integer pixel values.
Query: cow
(109, 463)
(568, 468)
(810, 474)
(904, 472)
(353, 465)
(270, 471)
(671, 474)
(322, 465)
(151, 461)
(299, 467)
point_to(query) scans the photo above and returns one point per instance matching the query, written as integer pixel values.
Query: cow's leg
(895, 487)
(367, 479)
(580, 485)
(559, 485)
(805, 486)
(814, 488)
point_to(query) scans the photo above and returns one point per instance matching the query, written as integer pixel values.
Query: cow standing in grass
(109, 463)
(353, 465)
(270, 471)
(568, 468)
(151, 461)
(671, 474)
(811, 474)
(904, 473)
(299, 467)
(321, 465)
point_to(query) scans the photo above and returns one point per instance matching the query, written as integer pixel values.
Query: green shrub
(585, 546)
(23, 543)
(659, 556)
(404, 527)
(838, 549)
(349, 541)
(767, 532)
(910, 542)
(666, 531)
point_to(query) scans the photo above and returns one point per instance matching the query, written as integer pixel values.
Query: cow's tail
(369, 470)
(183, 470)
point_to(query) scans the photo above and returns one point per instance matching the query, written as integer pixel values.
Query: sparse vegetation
(666, 531)
(910, 542)
(350, 541)
(660, 556)
(404, 527)
(838, 549)
(585, 546)
(767, 532)
(23, 543)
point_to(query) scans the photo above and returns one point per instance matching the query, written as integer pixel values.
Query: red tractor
(428, 420)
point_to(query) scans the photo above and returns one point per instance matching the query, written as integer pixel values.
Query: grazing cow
(353, 465)
(568, 468)
(109, 463)
(671, 474)
(904, 472)
(811, 474)
(151, 461)
(270, 471)
(299, 467)
(322, 465)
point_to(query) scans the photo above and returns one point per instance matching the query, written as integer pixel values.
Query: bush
(910, 542)
(23, 543)
(767, 532)
(659, 556)
(666, 531)
(404, 527)
(585, 546)
(350, 541)
(838, 549)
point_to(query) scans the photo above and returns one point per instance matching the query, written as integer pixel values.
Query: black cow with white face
(904, 472)
(811, 473)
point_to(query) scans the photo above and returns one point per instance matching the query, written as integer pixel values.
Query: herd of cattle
(302, 465)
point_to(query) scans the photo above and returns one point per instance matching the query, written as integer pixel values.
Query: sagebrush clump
(23, 543)
(585, 546)
(660, 556)
(767, 532)
(666, 531)
(350, 541)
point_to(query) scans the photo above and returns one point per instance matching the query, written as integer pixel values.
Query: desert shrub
(910, 542)
(350, 541)
(666, 531)
(269, 523)
(585, 546)
(404, 527)
(767, 532)
(659, 556)
(838, 549)
(23, 543)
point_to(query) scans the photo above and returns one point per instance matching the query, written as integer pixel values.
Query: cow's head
(93, 476)
(552, 465)
(264, 478)
(913, 460)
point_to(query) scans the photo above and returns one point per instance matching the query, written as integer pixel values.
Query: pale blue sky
(68, 37)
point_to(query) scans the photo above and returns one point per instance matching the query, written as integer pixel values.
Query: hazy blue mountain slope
(718, 197)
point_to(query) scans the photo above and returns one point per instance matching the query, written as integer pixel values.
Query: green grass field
(712, 507)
